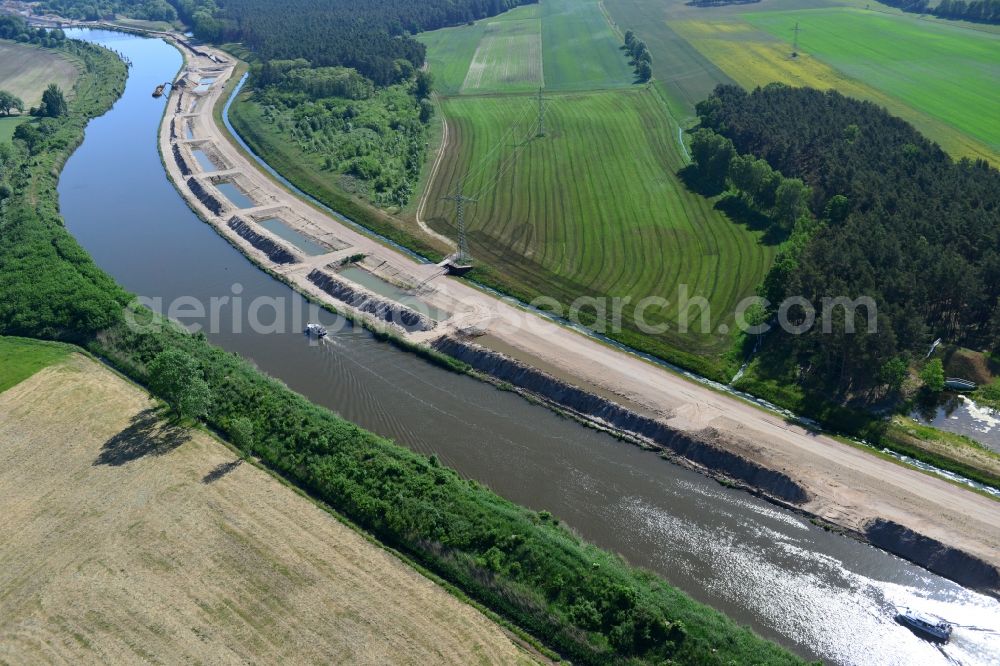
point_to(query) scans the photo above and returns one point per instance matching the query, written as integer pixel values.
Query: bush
(932, 376)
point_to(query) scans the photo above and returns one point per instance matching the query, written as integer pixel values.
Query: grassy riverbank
(588, 604)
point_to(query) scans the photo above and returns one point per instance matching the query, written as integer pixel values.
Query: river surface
(961, 415)
(820, 594)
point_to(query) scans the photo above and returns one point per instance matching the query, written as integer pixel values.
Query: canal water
(961, 415)
(822, 595)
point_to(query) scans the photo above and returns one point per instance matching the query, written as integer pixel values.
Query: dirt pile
(274, 252)
(392, 312)
(934, 555)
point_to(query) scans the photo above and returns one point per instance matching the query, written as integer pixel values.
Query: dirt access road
(124, 540)
(846, 486)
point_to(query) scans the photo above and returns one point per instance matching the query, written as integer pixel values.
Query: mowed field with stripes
(594, 207)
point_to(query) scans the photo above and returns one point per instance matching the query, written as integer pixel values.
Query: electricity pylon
(463, 258)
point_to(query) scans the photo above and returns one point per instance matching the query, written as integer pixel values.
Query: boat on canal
(927, 626)
(315, 330)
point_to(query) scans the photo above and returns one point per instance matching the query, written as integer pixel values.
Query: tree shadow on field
(739, 212)
(147, 434)
(696, 183)
(221, 470)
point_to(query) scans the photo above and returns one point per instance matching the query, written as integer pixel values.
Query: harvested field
(508, 58)
(27, 71)
(559, 44)
(128, 540)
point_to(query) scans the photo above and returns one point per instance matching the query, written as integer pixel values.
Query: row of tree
(17, 29)
(978, 11)
(899, 222)
(760, 188)
(48, 285)
(639, 56)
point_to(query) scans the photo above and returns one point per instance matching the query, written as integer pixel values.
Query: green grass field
(27, 70)
(561, 44)
(20, 358)
(594, 208)
(580, 50)
(450, 50)
(947, 71)
(7, 127)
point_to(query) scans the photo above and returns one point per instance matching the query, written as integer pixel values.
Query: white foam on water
(986, 418)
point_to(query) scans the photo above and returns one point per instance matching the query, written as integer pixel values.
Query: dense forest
(979, 11)
(892, 218)
(17, 29)
(93, 10)
(371, 139)
(369, 37)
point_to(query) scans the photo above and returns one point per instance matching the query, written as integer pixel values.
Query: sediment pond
(296, 238)
(204, 160)
(235, 195)
(821, 594)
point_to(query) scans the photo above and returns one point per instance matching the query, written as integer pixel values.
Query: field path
(442, 150)
(124, 541)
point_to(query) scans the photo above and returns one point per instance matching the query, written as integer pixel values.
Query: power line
(463, 258)
(541, 114)
(484, 162)
(506, 164)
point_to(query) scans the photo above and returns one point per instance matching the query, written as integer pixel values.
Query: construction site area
(698, 423)
(290, 238)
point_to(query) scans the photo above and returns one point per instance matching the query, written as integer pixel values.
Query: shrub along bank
(587, 604)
